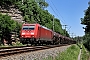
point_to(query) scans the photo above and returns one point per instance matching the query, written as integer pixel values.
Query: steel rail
(21, 49)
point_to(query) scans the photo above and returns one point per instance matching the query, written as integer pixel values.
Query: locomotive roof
(45, 27)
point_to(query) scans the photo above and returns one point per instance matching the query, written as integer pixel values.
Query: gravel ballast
(37, 55)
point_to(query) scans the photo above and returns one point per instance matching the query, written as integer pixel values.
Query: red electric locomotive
(35, 33)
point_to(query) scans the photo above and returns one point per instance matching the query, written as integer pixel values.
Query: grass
(85, 54)
(70, 54)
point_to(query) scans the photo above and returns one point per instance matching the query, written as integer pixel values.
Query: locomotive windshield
(28, 27)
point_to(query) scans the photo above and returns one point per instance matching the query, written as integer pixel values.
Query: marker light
(32, 33)
(23, 33)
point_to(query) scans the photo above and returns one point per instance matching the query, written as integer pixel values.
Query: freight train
(38, 34)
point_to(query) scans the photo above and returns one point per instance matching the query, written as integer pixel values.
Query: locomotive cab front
(28, 33)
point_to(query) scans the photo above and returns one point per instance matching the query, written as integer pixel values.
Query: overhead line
(57, 10)
(54, 11)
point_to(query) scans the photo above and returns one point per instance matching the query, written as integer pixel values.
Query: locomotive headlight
(32, 33)
(23, 33)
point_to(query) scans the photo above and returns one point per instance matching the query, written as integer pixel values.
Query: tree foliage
(86, 21)
(8, 2)
(42, 3)
(7, 26)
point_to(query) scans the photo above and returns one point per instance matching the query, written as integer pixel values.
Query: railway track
(7, 51)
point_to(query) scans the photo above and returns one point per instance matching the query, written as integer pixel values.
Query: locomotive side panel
(45, 34)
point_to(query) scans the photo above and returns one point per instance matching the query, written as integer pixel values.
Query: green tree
(8, 2)
(6, 26)
(86, 21)
(30, 10)
(42, 3)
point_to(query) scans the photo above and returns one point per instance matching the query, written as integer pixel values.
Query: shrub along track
(7, 51)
